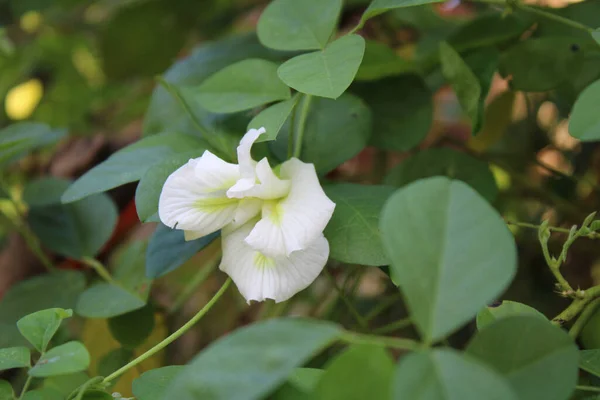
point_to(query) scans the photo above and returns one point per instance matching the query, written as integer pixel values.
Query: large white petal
(245, 161)
(194, 197)
(266, 185)
(294, 222)
(259, 277)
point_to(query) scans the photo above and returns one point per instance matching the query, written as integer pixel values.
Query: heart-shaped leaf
(326, 73)
(39, 328)
(451, 252)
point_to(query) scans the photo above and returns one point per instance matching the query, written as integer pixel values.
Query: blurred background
(90, 67)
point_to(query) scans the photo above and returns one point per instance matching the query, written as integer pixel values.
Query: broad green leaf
(166, 114)
(470, 80)
(444, 240)
(66, 384)
(326, 73)
(44, 191)
(541, 64)
(114, 360)
(43, 394)
(589, 360)
(380, 61)
(168, 250)
(64, 359)
(148, 190)
(445, 374)
(353, 231)
(130, 164)
(77, 229)
(132, 329)
(273, 118)
(506, 309)
(250, 362)
(152, 385)
(584, 123)
(298, 25)
(6, 391)
(335, 131)
(104, 300)
(380, 6)
(445, 162)
(241, 86)
(402, 109)
(539, 359)
(58, 289)
(18, 140)
(129, 269)
(488, 30)
(360, 372)
(39, 328)
(97, 395)
(14, 357)
(300, 385)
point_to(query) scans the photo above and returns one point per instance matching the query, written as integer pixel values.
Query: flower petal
(294, 222)
(259, 277)
(245, 160)
(194, 196)
(268, 187)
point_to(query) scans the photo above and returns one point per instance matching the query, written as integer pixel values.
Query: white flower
(272, 226)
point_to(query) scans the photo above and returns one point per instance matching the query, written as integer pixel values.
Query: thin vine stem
(394, 326)
(25, 386)
(171, 338)
(99, 268)
(383, 341)
(304, 109)
(591, 235)
(585, 316)
(357, 316)
(588, 388)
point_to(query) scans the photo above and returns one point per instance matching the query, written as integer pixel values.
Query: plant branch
(171, 338)
(359, 318)
(588, 388)
(305, 108)
(25, 386)
(393, 326)
(586, 314)
(384, 341)
(577, 306)
(99, 268)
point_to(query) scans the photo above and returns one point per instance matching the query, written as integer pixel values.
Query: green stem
(359, 318)
(25, 386)
(305, 108)
(591, 235)
(99, 268)
(382, 306)
(394, 326)
(78, 393)
(384, 341)
(174, 336)
(554, 17)
(588, 388)
(577, 306)
(198, 279)
(291, 136)
(586, 314)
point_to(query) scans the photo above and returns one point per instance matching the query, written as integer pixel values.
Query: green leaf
(506, 309)
(445, 374)
(273, 118)
(130, 269)
(43, 394)
(300, 385)
(114, 360)
(39, 328)
(335, 131)
(14, 357)
(380, 61)
(527, 351)
(66, 384)
(18, 140)
(168, 250)
(152, 385)
(132, 329)
(444, 240)
(84, 226)
(584, 123)
(402, 111)
(58, 289)
(130, 164)
(541, 64)
(353, 231)
(104, 300)
(589, 337)
(97, 395)
(6, 391)
(326, 73)
(166, 114)
(589, 360)
(241, 86)
(380, 6)
(298, 25)
(64, 359)
(360, 372)
(148, 190)
(470, 87)
(44, 191)
(250, 362)
(596, 35)
(445, 162)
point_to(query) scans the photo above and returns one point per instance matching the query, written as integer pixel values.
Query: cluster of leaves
(430, 225)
